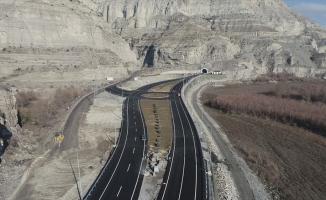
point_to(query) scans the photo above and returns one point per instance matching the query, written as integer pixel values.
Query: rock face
(57, 36)
(254, 36)
(248, 37)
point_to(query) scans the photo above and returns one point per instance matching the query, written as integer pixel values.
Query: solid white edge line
(184, 152)
(120, 155)
(193, 138)
(167, 181)
(138, 91)
(141, 163)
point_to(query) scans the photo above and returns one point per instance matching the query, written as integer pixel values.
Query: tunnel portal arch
(204, 71)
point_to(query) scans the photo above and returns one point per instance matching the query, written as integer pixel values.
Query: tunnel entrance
(204, 71)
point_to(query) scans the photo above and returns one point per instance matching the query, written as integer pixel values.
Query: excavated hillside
(51, 44)
(249, 37)
(58, 41)
(91, 39)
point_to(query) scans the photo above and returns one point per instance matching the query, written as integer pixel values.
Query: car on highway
(143, 137)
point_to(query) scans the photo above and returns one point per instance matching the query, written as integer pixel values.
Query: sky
(314, 9)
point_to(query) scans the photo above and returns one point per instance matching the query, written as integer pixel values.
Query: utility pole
(80, 188)
(210, 154)
(115, 134)
(95, 91)
(75, 179)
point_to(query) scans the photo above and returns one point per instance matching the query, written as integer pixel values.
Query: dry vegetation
(307, 92)
(35, 111)
(281, 104)
(290, 160)
(158, 131)
(155, 95)
(165, 87)
(284, 76)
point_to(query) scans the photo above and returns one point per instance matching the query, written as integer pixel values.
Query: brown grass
(304, 114)
(307, 92)
(35, 111)
(164, 116)
(165, 87)
(284, 76)
(155, 95)
(291, 161)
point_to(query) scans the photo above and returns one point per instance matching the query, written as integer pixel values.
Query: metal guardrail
(185, 89)
(204, 119)
(241, 183)
(89, 192)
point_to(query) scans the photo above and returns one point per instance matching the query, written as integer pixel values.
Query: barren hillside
(249, 37)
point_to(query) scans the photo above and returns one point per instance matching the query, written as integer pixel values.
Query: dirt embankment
(290, 161)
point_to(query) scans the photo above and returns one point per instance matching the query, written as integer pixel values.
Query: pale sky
(314, 9)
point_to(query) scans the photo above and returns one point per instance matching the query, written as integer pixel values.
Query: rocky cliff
(247, 37)
(59, 37)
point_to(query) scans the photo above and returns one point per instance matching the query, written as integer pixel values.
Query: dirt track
(289, 160)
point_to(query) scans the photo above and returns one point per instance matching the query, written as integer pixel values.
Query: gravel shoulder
(52, 177)
(288, 160)
(230, 171)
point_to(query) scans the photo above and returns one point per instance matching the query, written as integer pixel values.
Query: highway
(122, 175)
(184, 176)
(241, 183)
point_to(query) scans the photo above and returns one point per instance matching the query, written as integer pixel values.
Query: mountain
(247, 37)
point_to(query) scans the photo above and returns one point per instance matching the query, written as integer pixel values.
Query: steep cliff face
(182, 32)
(63, 33)
(72, 36)
(225, 15)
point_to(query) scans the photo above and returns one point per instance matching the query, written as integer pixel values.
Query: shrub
(41, 112)
(23, 99)
(309, 92)
(304, 114)
(283, 76)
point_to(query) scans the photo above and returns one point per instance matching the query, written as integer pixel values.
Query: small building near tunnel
(216, 72)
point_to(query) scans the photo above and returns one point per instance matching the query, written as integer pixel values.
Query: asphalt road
(122, 176)
(184, 176)
(240, 180)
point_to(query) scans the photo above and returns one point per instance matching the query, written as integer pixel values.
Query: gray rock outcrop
(246, 37)
(57, 36)
(223, 34)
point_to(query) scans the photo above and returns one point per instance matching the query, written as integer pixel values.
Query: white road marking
(119, 191)
(136, 129)
(133, 151)
(193, 138)
(135, 123)
(120, 155)
(184, 151)
(167, 181)
(128, 167)
(134, 117)
(135, 138)
(141, 164)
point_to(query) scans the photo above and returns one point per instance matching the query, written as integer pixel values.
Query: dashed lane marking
(119, 191)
